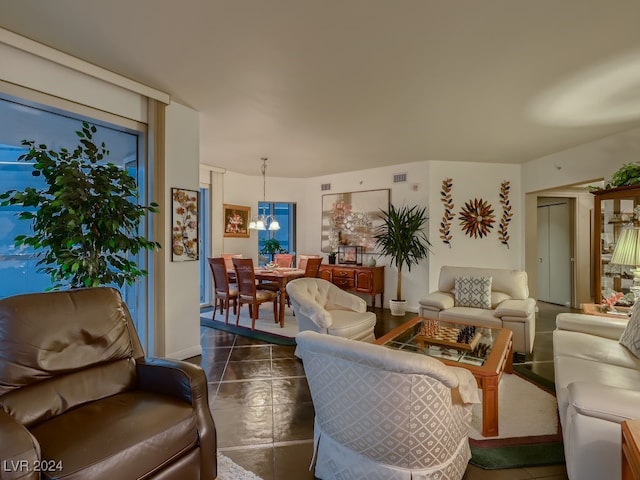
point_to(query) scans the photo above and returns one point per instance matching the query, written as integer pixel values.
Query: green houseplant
(401, 237)
(86, 217)
(628, 174)
(271, 247)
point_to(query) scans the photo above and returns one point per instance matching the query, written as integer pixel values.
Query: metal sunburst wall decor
(477, 218)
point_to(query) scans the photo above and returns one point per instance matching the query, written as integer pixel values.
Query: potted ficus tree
(85, 218)
(401, 237)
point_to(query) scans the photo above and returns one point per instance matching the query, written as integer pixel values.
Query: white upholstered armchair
(322, 307)
(385, 414)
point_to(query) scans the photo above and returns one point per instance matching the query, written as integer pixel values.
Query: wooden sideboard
(630, 450)
(356, 278)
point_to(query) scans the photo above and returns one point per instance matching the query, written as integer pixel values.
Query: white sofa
(320, 306)
(597, 387)
(510, 305)
(386, 414)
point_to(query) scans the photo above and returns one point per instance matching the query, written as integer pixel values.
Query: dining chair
(312, 267)
(302, 260)
(283, 259)
(229, 264)
(223, 292)
(248, 292)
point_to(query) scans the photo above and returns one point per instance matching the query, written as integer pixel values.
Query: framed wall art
(236, 221)
(351, 218)
(184, 225)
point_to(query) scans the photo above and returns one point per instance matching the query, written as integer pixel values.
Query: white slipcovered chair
(385, 414)
(504, 293)
(320, 306)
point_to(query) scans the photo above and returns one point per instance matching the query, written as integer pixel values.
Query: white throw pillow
(630, 338)
(473, 292)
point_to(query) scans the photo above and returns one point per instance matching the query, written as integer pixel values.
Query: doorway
(555, 252)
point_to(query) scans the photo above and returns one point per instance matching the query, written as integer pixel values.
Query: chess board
(448, 336)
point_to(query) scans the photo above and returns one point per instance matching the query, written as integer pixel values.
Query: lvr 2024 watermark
(31, 466)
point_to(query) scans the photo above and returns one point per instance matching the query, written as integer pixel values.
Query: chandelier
(262, 221)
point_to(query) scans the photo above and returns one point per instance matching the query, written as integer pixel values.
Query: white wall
(424, 181)
(42, 69)
(72, 79)
(549, 175)
(247, 190)
(584, 163)
(471, 181)
(181, 289)
(310, 219)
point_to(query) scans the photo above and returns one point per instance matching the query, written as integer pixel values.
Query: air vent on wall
(325, 186)
(399, 178)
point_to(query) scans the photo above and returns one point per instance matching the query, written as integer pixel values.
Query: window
(285, 213)
(21, 119)
(205, 242)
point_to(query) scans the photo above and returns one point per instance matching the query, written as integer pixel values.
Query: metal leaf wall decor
(445, 224)
(503, 229)
(477, 218)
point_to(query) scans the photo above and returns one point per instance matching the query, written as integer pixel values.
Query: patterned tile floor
(263, 411)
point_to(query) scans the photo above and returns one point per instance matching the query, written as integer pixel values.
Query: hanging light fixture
(262, 221)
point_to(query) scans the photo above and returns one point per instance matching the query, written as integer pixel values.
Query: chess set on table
(465, 338)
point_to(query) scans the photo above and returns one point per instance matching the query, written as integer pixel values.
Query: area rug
(529, 428)
(266, 329)
(228, 470)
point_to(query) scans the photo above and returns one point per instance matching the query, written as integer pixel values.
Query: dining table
(279, 276)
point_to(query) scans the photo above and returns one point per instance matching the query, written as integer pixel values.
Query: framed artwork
(184, 225)
(351, 218)
(236, 221)
(350, 254)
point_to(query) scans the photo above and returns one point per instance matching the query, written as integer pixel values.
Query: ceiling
(330, 86)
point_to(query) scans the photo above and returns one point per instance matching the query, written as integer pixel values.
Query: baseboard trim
(186, 353)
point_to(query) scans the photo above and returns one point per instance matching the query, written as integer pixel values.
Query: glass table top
(439, 341)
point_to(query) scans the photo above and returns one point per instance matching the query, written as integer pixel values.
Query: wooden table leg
(508, 366)
(489, 387)
(490, 406)
(283, 299)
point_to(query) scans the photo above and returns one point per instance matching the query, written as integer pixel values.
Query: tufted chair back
(321, 306)
(383, 413)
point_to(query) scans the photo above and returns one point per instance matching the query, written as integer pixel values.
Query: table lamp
(627, 252)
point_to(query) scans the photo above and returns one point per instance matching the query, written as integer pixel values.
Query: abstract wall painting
(351, 218)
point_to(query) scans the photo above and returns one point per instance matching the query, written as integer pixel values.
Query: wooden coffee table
(487, 371)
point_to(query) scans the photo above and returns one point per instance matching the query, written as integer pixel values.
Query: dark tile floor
(263, 411)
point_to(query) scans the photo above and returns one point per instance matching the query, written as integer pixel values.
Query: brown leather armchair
(78, 399)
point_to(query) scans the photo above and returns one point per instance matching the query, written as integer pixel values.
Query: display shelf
(614, 209)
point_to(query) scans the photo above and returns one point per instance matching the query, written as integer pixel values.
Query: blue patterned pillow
(473, 292)
(630, 338)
